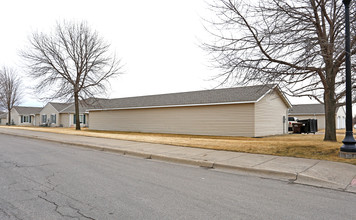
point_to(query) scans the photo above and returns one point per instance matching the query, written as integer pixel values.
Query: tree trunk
(76, 104)
(330, 109)
(9, 117)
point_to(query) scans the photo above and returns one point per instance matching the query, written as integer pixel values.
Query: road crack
(81, 214)
(17, 165)
(56, 207)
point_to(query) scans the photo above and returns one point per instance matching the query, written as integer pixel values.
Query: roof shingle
(246, 94)
(60, 106)
(307, 109)
(22, 110)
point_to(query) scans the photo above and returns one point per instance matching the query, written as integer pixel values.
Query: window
(82, 119)
(44, 119)
(25, 119)
(53, 119)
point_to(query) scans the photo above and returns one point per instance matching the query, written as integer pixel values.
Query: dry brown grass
(292, 145)
(338, 131)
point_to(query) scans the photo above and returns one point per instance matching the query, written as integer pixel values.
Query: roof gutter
(306, 113)
(172, 106)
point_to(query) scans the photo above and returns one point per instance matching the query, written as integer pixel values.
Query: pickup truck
(291, 120)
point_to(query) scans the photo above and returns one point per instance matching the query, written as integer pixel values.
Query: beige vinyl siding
(225, 120)
(71, 120)
(49, 110)
(64, 120)
(269, 112)
(341, 112)
(37, 120)
(15, 117)
(3, 121)
(340, 118)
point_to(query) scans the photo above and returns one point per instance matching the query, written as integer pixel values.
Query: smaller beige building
(62, 115)
(25, 116)
(317, 111)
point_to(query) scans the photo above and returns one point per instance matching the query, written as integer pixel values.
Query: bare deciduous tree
(10, 90)
(298, 44)
(73, 62)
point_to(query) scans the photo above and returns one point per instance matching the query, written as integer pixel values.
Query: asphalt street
(45, 180)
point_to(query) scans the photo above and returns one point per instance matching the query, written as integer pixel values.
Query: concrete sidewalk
(319, 173)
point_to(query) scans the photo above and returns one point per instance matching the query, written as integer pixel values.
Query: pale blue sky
(158, 40)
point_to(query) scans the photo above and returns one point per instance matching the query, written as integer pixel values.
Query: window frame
(45, 119)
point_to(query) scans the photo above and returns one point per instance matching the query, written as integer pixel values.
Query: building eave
(306, 113)
(173, 106)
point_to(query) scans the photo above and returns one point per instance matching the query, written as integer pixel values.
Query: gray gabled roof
(84, 105)
(248, 94)
(23, 110)
(60, 106)
(71, 108)
(307, 109)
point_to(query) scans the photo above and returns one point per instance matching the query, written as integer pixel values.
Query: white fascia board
(259, 99)
(306, 114)
(172, 106)
(284, 97)
(279, 91)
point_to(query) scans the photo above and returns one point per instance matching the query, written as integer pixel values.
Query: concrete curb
(160, 157)
(298, 178)
(314, 181)
(286, 176)
(180, 160)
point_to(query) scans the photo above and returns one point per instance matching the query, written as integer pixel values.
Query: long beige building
(252, 111)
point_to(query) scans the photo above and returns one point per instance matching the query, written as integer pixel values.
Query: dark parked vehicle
(309, 126)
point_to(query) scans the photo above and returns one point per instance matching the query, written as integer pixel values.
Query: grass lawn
(291, 145)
